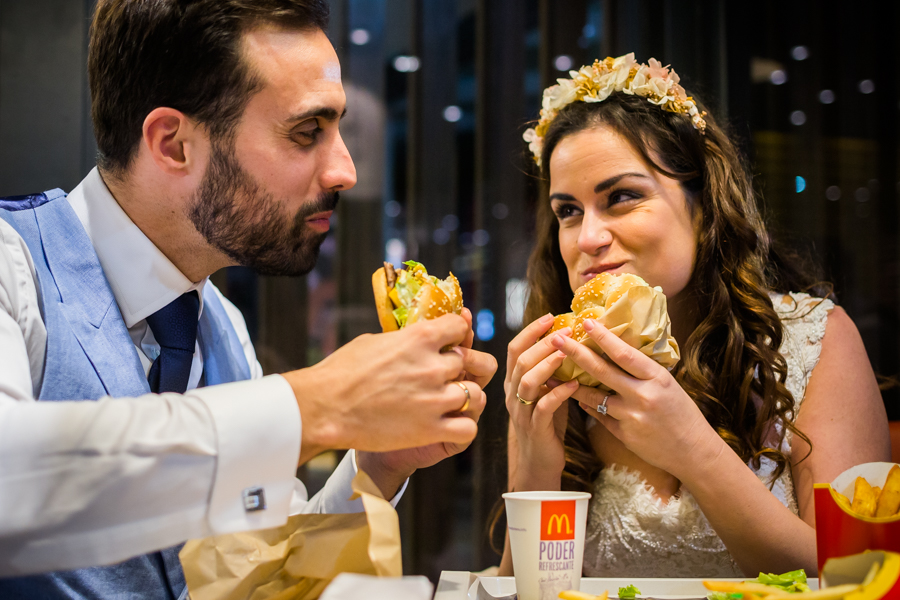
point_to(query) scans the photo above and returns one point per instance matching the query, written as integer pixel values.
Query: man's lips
(319, 221)
(593, 271)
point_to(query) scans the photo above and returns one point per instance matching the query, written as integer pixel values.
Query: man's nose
(339, 172)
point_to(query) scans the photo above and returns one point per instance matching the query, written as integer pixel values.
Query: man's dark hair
(182, 54)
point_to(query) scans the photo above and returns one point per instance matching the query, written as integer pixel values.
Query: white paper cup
(546, 537)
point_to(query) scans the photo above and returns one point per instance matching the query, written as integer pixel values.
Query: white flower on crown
(535, 142)
(559, 95)
(595, 83)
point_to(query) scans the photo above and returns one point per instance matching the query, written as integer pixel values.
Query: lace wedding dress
(631, 533)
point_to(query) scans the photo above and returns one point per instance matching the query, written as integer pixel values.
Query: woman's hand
(649, 412)
(536, 406)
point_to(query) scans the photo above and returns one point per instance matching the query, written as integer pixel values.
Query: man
(217, 126)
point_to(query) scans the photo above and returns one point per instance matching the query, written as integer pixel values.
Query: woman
(707, 470)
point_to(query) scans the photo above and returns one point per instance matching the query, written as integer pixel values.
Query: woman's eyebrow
(608, 183)
(563, 197)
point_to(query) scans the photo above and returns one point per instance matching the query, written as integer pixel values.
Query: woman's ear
(172, 140)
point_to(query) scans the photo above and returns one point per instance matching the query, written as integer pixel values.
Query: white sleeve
(89, 483)
(23, 337)
(334, 497)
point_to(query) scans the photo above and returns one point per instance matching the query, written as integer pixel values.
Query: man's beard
(248, 224)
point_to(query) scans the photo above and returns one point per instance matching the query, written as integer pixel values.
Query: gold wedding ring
(468, 396)
(524, 401)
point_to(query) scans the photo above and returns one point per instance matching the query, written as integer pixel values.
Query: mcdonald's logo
(558, 520)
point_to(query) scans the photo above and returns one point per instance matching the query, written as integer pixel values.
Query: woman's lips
(594, 271)
(319, 221)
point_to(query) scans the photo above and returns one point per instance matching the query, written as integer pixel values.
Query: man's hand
(390, 469)
(392, 391)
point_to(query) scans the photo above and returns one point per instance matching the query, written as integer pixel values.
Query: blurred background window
(439, 93)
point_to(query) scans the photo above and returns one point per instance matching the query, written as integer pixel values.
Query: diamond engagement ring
(523, 400)
(468, 396)
(601, 408)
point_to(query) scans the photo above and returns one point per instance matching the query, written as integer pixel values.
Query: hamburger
(630, 308)
(404, 296)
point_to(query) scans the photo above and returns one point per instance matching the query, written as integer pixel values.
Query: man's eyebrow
(608, 183)
(324, 112)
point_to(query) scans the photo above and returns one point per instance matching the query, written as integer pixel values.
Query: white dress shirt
(88, 483)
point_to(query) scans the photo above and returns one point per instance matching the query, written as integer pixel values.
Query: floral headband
(594, 83)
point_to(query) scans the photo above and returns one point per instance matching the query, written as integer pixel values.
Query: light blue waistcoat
(90, 355)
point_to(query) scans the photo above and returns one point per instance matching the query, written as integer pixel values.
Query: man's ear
(172, 140)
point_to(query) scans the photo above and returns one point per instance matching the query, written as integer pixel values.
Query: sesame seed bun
(627, 305)
(431, 302)
(383, 302)
(434, 298)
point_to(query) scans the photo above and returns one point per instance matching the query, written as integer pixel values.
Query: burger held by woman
(707, 468)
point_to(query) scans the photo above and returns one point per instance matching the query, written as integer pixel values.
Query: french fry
(829, 593)
(889, 501)
(576, 595)
(863, 498)
(735, 587)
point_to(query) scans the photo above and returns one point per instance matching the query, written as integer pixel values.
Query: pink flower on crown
(655, 69)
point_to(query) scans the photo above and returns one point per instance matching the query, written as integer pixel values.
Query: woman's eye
(564, 211)
(621, 196)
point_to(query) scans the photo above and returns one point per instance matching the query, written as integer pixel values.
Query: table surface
(454, 585)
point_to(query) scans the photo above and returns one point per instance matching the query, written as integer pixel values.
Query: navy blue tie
(175, 328)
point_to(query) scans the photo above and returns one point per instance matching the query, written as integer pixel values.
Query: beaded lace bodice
(632, 533)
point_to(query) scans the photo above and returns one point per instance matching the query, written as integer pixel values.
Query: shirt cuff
(334, 497)
(258, 433)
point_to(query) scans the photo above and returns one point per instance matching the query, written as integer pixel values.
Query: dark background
(439, 93)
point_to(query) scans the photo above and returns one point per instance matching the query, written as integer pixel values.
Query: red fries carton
(877, 572)
(839, 530)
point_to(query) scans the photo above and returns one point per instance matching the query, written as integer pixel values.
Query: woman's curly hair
(731, 365)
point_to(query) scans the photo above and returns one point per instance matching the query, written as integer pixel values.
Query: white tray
(460, 585)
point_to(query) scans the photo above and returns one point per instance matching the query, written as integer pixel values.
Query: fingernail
(572, 383)
(546, 319)
(558, 341)
(589, 325)
(560, 354)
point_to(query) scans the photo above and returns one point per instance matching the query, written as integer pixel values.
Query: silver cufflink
(254, 499)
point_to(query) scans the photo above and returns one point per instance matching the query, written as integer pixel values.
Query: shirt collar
(142, 279)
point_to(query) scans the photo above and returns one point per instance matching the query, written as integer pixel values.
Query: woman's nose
(594, 235)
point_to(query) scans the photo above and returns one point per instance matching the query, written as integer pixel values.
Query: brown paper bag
(641, 320)
(299, 559)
